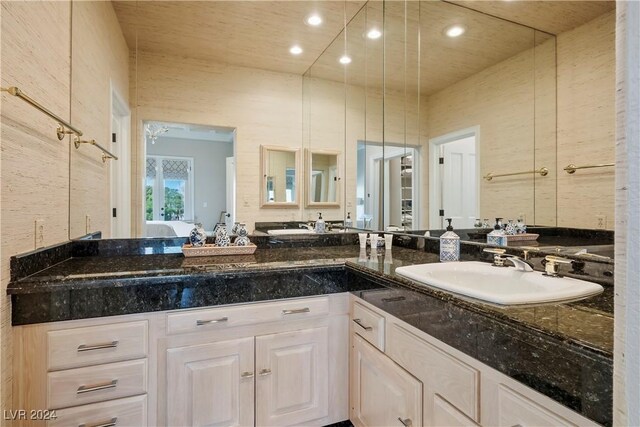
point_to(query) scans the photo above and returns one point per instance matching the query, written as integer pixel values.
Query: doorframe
(435, 195)
(120, 171)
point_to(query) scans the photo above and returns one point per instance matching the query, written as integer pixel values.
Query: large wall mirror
(431, 109)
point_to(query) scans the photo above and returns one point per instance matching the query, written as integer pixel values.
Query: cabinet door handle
(111, 423)
(246, 375)
(206, 322)
(359, 323)
(406, 422)
(393, 299)
(90, 347)
(297, 311)
(97, 387)
(265, 372)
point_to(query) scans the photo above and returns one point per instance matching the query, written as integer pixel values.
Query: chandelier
(154, 130)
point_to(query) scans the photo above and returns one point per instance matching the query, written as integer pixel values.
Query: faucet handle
(496, 251)
(552, 263)
(498, 256)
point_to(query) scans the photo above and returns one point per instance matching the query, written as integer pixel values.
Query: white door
(120, 169)
(456, 183)
(211, 384)
(382, 393)
(292, 371)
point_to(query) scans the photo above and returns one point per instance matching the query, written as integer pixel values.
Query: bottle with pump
(497, 237)
(449, 245)
(320, 224)
(348, 223)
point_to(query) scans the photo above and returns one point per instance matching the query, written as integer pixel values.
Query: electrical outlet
(88, 224)
(39, 233)
(601, 222)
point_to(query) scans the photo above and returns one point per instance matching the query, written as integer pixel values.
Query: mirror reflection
(324, 177)
(280, 174)
(189, 177)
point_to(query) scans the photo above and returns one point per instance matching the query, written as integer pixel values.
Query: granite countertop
(588, 323)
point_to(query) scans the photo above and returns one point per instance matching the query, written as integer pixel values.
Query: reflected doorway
(189, 178)
(454, 191)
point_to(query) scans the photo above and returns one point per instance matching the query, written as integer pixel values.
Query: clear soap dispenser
(449, 245)
(320, 224)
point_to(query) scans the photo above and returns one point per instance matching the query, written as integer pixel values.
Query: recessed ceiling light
(344, 59)
(295, 50)
(314, 20)
(374, 33)
(454, 31)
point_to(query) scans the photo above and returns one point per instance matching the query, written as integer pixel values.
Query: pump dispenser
(348, 223)
(320, 225)
(449, 245)
(497, 237)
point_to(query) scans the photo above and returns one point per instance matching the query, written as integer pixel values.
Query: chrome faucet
(500, 257)
(308, 226)
(552, 264)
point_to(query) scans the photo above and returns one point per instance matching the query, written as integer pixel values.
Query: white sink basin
(289, 231)
(499, 285)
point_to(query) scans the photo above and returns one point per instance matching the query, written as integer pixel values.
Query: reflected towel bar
(62, 124)
(106, 154)
(571, 169)
(542, 172)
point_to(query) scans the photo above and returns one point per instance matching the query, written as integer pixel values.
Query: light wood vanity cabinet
(275, 363)
(454, 389)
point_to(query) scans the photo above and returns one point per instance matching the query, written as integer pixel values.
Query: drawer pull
(206, 322)
(359, 323)
(297, 311)
(406, 422)
(111, 423)
(265, 372)
(246, 375)
(86, 347)
(97, 387)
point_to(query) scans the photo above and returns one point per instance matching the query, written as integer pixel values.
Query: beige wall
(586, 122)
(264, 107)
(35, 166)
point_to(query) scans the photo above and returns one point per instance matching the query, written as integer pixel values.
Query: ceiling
(552, 16)
(255, 34)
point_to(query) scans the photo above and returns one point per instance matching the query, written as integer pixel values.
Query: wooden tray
(522, 237)
(213, 250)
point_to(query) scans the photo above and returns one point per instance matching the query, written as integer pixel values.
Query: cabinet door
(292, 377)
(211, 384)
(382, 393)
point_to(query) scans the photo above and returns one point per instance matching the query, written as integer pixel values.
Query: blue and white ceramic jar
(197, 236)
(222, 237)
(241, 230)
(242, 241)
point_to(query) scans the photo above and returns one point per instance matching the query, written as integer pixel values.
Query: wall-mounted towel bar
(542, 172)
(64, 127)
(571, 169)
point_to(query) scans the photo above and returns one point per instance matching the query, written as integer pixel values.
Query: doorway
(454, 184)
(121, 170)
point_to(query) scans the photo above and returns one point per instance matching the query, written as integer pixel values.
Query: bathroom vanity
(292, 336)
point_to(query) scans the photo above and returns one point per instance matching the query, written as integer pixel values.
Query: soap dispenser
(320, 224)
(449, 245)
(497, 237)
(348, 223)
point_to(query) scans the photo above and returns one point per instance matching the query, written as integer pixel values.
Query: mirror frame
(309, 170)
(264, 158)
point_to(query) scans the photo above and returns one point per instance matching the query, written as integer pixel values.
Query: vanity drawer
(242, 315)
(73, 348)
(130, 411)
(96, 383)
(515, 409)
(369, 325)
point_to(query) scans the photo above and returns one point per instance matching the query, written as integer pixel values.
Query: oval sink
(499, 285)
(281, 232)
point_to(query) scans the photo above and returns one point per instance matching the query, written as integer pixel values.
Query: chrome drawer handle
(87, 347)
(406, 422)
(97, 387)
(246, 375)
(297, 311)
(265, 372)
(206, 322)
(111, 423)
(359, 323)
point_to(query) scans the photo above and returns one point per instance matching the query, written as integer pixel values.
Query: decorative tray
(213, 250)
(522, 237)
